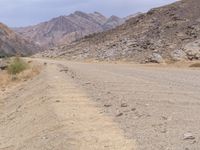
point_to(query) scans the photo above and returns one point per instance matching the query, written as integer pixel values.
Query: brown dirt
(87, 106)
(52, 112)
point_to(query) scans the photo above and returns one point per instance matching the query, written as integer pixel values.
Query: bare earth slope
(12, 44)
(65, 29)
(73, 105)
(162, 33)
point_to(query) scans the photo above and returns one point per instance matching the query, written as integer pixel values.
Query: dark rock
(133, 109)
(107, 105)
(120, 114)
(124, 105)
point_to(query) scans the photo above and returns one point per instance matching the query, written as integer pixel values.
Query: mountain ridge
(65, 29)
(167, 33)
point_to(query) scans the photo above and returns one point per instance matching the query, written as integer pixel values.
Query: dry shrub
(7, 79)
(17, 65)
(195, 65)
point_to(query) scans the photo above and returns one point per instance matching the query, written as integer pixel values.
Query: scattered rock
(87, 83)
(193, 50)
(107, 105)
(124, 105)
(164, 131)
(188, 136)
(133, 109)
(156, 58)
(120, 114)
(164, 118)
(64, 70)
(44, 138)
(178, 54)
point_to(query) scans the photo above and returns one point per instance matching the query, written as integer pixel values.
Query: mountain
(65, 29)
(12, 44)
(167, 33)
(112, 22)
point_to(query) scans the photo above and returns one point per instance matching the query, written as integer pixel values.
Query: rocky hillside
(163, 34)
(12, 44)
(65, 29)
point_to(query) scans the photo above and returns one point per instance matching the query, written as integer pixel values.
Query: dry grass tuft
(17, 65)
(7, 79)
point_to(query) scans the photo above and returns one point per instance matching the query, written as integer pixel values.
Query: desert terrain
(81, 80)
(79, 106)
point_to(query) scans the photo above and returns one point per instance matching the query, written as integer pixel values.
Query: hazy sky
(27, 12)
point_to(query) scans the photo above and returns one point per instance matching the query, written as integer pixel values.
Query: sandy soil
(103, 106)
(51, 112)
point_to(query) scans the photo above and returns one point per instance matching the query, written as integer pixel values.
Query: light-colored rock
(156, 58)
(188, 136)
(178, 54)
(193, 50)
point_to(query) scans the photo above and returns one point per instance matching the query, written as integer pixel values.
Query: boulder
(178, 55)
(193, 50)
(156, 58)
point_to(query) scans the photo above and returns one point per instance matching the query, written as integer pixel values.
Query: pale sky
(17, 13)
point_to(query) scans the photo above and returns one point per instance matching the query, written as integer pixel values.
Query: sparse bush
(16, 66)
(195, 65)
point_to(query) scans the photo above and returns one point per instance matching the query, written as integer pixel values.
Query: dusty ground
(103, 106)
(52, 112)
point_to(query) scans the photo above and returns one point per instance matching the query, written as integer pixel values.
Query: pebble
(188, 136)
(124, 105)
(120, 114)
(107, 105)
(133, 109)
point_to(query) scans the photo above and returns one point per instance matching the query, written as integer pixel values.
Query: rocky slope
(12, 44)
(65, 29)
(163, 34)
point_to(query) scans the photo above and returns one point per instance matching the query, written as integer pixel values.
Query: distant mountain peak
(168, 33)
(65, 29)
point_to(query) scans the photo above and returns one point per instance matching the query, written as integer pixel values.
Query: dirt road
(82, 106)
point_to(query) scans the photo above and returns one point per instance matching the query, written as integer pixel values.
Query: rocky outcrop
(12, 44)
(193, 50)
(170, 32)
(65, 29)
(178, 55)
